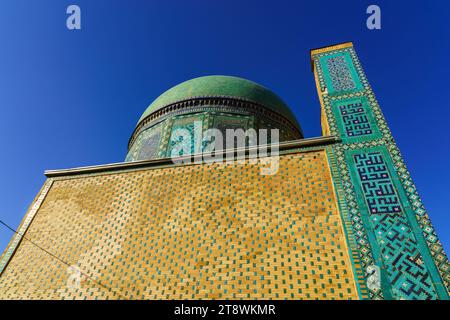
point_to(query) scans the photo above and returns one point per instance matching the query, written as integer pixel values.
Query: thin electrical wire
(61, 260)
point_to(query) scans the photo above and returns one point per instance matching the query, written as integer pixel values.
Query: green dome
(222, 86)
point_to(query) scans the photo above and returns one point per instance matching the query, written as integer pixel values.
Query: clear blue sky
(72, 98)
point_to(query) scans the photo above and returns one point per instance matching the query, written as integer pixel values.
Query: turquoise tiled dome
(222, 86)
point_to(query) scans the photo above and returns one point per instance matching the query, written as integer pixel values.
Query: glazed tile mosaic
(339, 73)
(341, 78)
(355, 119)
(386, 223)
(377, 187)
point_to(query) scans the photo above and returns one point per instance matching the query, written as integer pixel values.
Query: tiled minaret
(395, 250)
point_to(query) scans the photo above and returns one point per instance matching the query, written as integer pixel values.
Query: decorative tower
(395, 250)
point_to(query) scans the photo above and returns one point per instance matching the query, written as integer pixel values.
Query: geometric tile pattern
(186, 135)
(341, 77)
(359, 227)
(355, 219)
(407, 272)
(416, 266)
(223, 122)
(379, 191)
(156, 142)
(150, 142)
(351, 71)
(437, 251)
(372, 111)
(147, 144)
(355, 119)
(188, 232)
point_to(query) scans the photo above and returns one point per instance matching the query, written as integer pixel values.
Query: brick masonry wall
(188, 232)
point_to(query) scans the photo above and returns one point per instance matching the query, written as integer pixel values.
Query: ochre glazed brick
(188, 232)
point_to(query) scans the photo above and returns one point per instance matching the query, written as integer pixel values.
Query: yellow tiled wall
(188, 232)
